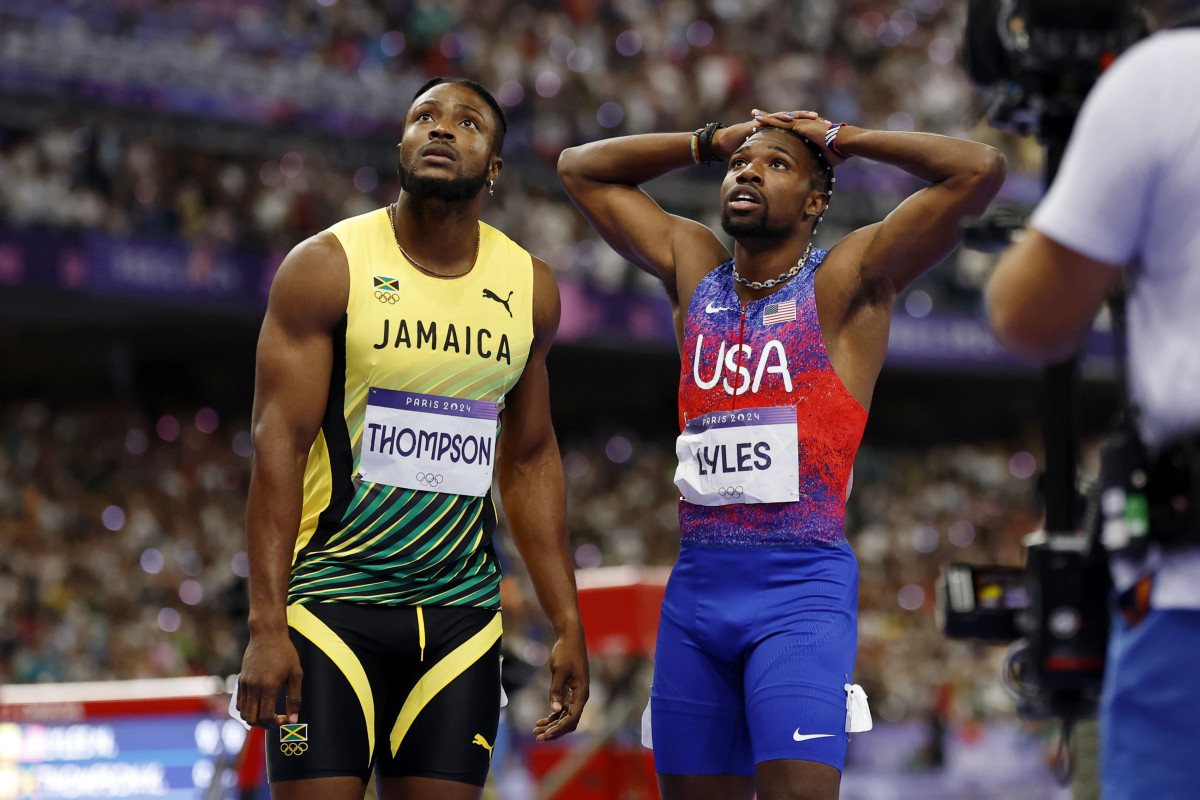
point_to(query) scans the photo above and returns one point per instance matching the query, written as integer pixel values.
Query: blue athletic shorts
(755, 648)
(1150, 710)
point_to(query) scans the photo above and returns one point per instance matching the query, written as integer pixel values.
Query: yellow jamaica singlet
(397, 490)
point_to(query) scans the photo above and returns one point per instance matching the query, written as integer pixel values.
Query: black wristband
(704, 148)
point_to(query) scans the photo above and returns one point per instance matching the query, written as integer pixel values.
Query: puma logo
(488, 293)
(479, 740)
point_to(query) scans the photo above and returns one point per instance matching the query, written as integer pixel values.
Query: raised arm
(927, 226)
(294, 361)
(530, 475)
(603, 179)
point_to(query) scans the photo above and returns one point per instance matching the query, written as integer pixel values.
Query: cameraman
(1126, 204)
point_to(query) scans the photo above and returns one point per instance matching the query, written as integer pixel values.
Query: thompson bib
(429, 442)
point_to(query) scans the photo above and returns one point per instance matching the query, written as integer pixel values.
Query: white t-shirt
(1128, 194)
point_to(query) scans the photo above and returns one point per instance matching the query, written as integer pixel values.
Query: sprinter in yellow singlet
(401, 366)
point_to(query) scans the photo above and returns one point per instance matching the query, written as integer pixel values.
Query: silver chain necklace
(767, 284)
(418, 264)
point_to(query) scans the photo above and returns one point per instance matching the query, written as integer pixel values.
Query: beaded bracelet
(831, 139)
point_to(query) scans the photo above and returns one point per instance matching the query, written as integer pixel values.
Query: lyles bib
(743, 456)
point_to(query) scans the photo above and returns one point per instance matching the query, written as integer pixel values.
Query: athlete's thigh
(334, 736)
(426, 789)
(709, 787)
(797, 673)
(796, 780)
(697, 716)
(340, 788)
(444, 729)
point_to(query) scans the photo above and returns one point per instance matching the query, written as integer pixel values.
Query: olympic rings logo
(293, 748)
(391, 298)
(429, 479)
(730, 492)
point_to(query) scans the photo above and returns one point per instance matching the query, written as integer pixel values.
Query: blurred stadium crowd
(126, 547)
(567, 70)
(321, 87)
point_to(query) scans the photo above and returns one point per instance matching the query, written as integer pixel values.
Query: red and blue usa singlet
(748, 370)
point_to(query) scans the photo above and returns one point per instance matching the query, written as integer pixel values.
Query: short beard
(743, 228)
(458, 189)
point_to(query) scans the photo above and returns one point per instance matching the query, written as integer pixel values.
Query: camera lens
(1064, 622)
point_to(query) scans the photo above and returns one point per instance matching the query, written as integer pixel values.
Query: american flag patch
(779, 312)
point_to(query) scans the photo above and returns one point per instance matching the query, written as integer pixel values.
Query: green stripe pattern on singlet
(405, 547)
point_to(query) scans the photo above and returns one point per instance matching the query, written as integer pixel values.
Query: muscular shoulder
(313, 282)
(697, 252)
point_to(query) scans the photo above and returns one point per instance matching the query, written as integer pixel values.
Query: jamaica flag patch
(293, 732)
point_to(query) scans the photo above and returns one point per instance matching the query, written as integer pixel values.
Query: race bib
(745, 456)
(429, 442)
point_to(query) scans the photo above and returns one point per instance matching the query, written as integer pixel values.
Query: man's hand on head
(726, 141)
(808, 124)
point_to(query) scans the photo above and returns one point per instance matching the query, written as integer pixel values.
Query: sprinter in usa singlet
(753, 689)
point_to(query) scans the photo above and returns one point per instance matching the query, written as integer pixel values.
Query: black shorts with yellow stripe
(404, 690)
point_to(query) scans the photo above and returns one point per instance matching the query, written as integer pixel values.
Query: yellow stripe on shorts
(441, 674)
(320, 634)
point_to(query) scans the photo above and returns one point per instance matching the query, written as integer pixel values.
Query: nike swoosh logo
(799, 737)
(711, 309)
